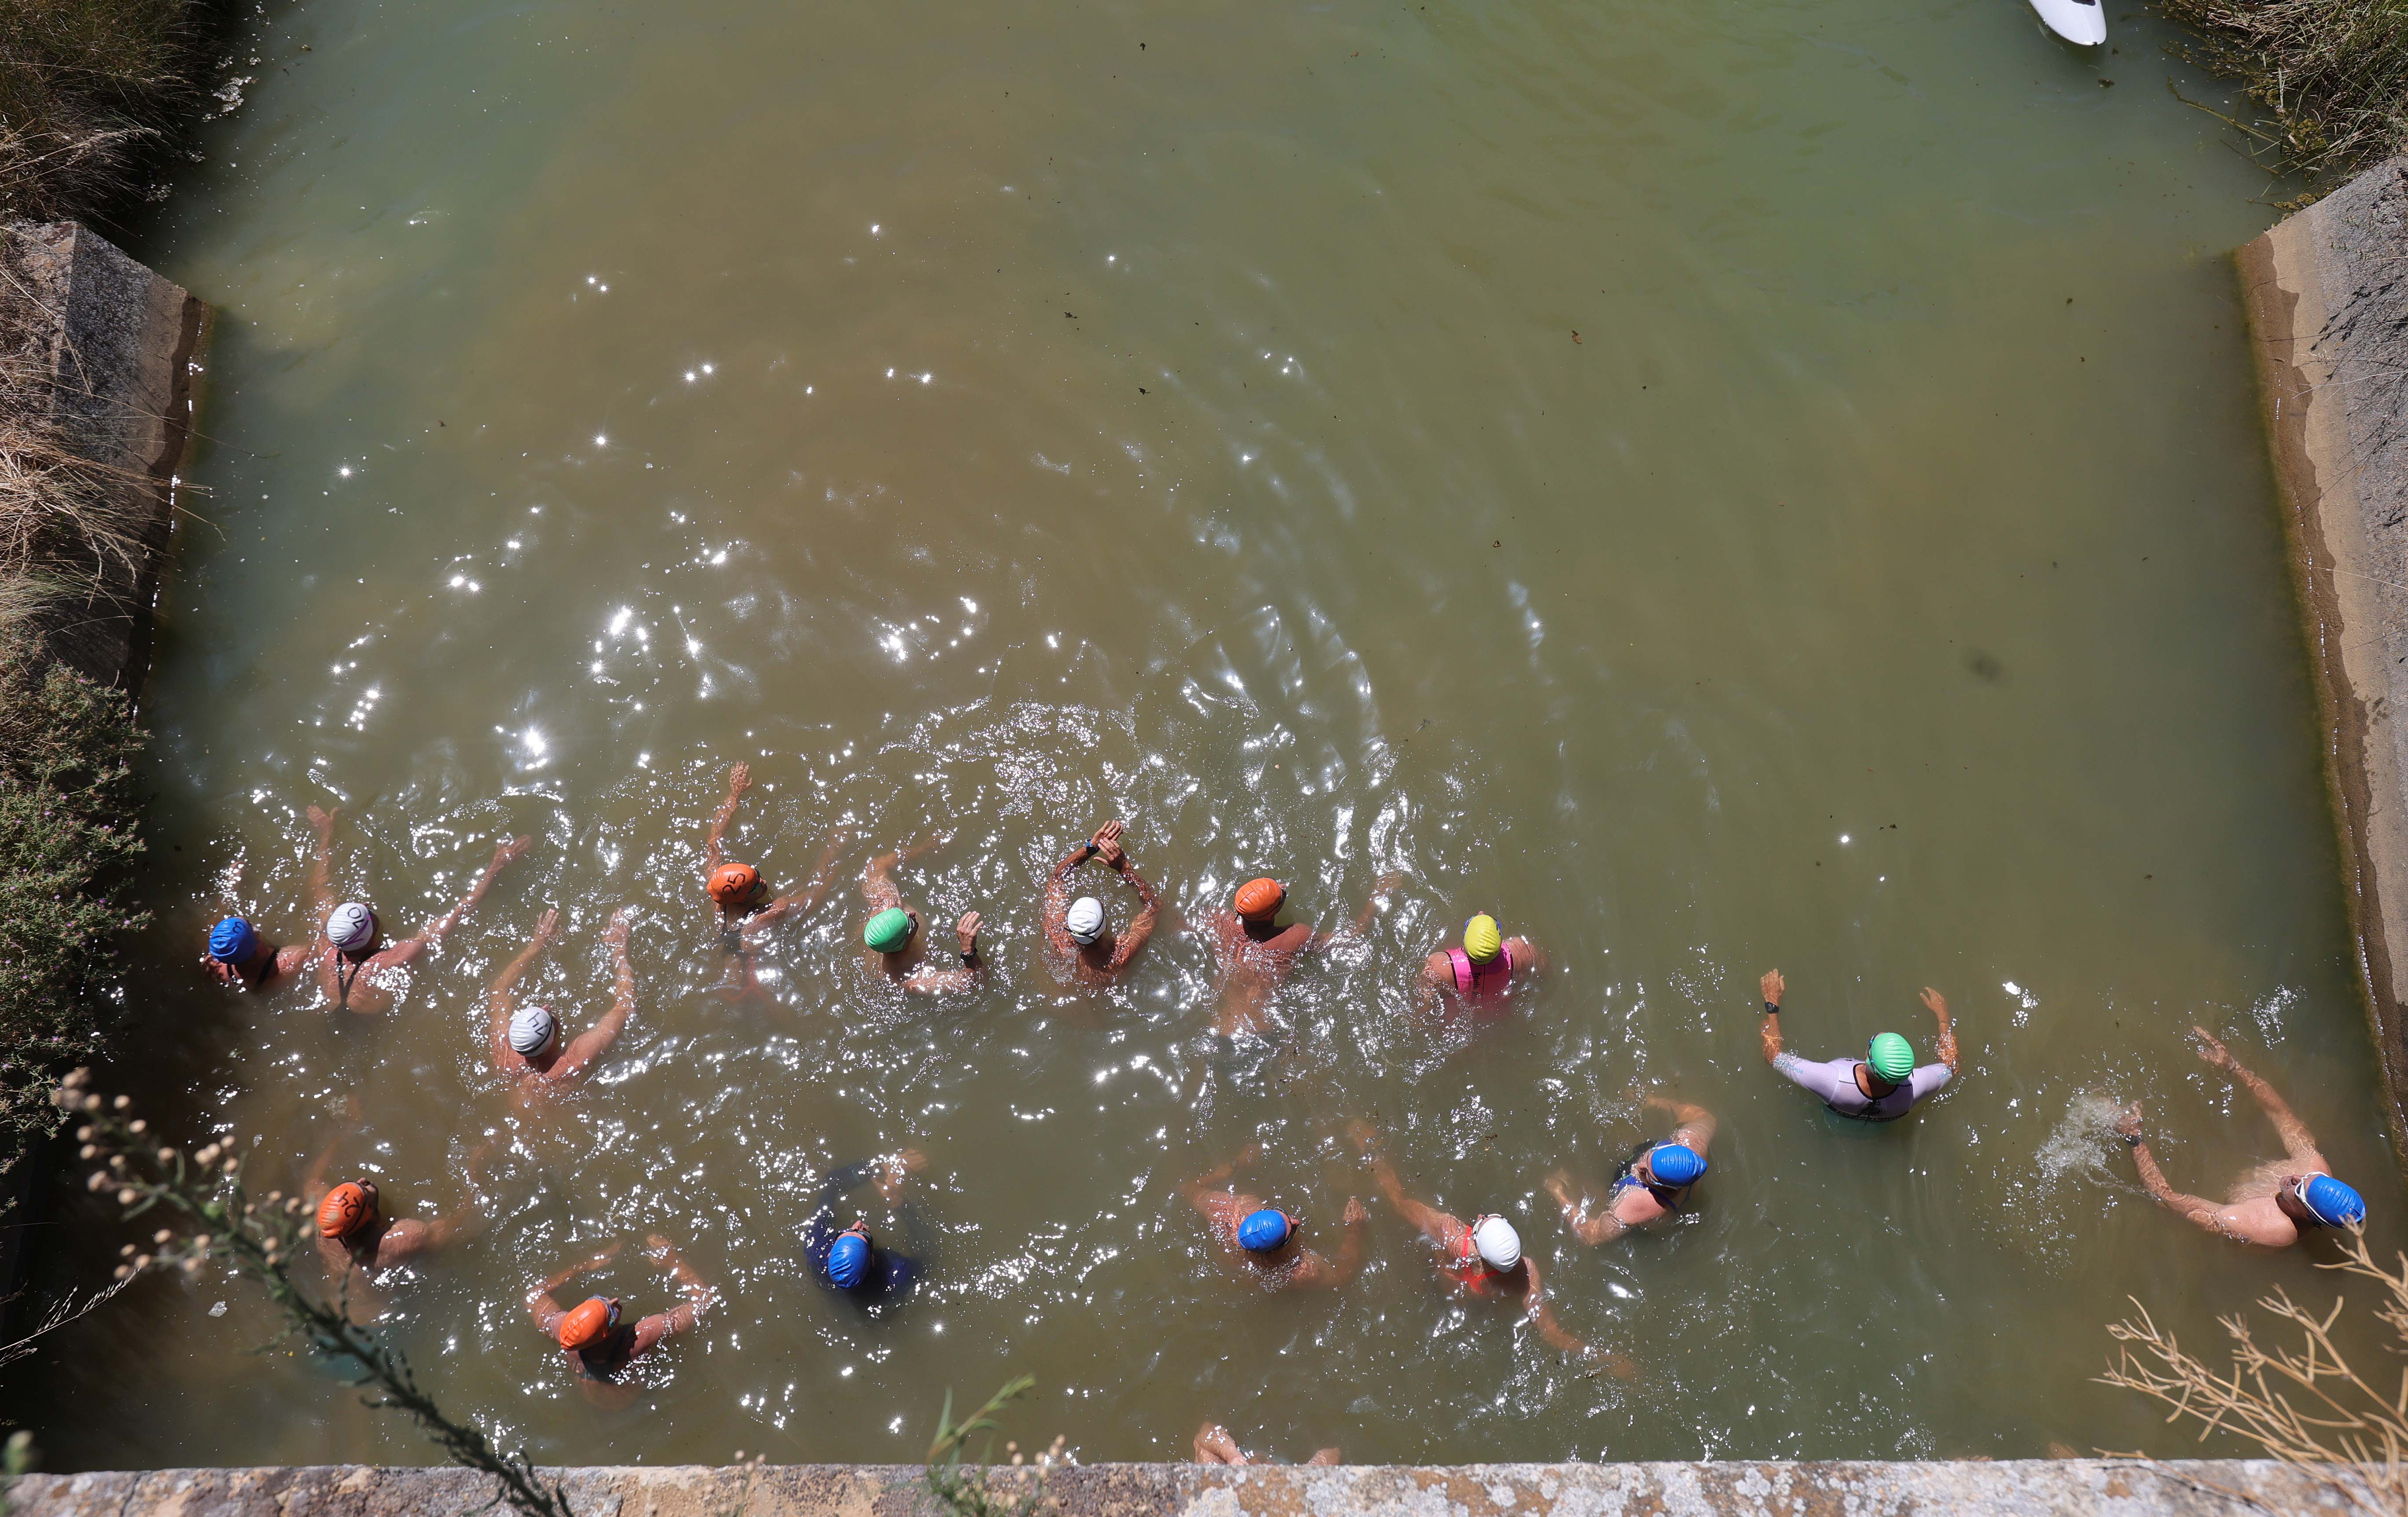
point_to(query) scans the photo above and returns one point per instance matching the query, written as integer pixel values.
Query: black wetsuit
(891, 1273)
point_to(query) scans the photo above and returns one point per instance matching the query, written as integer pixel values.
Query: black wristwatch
(1773, 1008)
(970, 955)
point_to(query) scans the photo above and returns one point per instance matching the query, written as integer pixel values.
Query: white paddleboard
(2080, 22)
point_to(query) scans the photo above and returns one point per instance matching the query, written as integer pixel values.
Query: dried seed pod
(128, 1195)
(99, 1180)
(138, 1127)
(123, 1272)
(162, 1235)
(122, 1102)
(166, 1157)
(87, 1153)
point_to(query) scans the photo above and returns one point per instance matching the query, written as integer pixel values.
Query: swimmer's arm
(1218, 1177)
(1542, 1315)
(1350, 1252)
(1772, 984)
(1592, 1230)
(436, 930)
(1143, 928)
(546, 928)
(1058, 899)
(937, 981)
(1939, 1005)
(1528, 953)
(595, 1041)
(2294, 1135)
(1437, 977)
(877, 882)
(1697, 1124)
(738, 779)
(313, 1184)
(2206, 1213)
(321, 864)
(1362, 922)
(699, 1295)
(541, 1301)
(805, 900)
(1215, 1446)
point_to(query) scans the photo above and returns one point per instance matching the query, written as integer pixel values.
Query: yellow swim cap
(1481, 938)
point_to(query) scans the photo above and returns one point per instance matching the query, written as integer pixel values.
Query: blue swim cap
(231, 940)
(1676, 1165)
(849, 1260)
(1263, 1231)
(2335, 1204)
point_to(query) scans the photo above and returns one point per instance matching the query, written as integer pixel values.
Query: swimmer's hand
(547, 927)
(1107, 844)
(1935, 1001)
(323, 821)
(1366, 1137)
(1356, 1212)
(507, 851)
(967, 930)
(739, 779)
(1385, 884)
(2212, 1052)
(616, 934)
(1773, 987)
(2128, 1125)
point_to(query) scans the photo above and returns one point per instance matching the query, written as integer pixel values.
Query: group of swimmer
(2273, 1205)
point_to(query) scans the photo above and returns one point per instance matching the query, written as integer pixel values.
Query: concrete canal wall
(2327, 293)
(2017, 1488)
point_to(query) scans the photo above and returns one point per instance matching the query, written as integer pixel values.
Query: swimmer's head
(347, 1208)
(232, 940)
(1675, 1163)
(849, 1257)
(1084, 920)
(735, 884)
(889, 931)
(352, 928)
(2327, 1200)
(1259, 900)
(1264, 1231)
(588, 1323)
(1498, 1245)
(1891, 1057)
(1482, 941)
(532, 1030)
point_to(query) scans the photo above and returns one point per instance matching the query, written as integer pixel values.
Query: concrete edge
(2012, 1488)
(2308, 287)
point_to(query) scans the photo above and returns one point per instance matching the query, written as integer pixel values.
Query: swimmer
(1215, 1446)
(1084, 947)
(893, 934)
(1481, 1257)
(2272, 1205)
(353, 972)
(355, 1235)
(1879, 1087)
(241, 959)
(527, 1042)
(851, 1261)
(1654, 1182)
(1261, 1241)
(747, 908)
(1256, 953)
(1480, 971)
(597, 1343)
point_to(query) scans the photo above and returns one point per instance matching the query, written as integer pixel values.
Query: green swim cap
(1892, 1057)
(889, 930)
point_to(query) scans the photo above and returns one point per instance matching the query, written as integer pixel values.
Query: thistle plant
(2308, 1406)
(214, 1217)
(959, 1490)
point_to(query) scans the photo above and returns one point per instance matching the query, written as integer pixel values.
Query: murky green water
(1720, 486)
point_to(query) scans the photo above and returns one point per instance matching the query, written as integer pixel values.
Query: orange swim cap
(1260, 897)
(347, 1208)
(586, 1324)
(733, 884)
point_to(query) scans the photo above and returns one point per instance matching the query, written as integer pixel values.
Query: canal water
(1769, 483)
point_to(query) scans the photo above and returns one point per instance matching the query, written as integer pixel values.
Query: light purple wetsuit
(1835, 1082)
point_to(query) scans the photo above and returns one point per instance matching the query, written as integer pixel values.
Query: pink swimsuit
(1472, 978)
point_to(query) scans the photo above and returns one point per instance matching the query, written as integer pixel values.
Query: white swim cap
(1085, 919)
(352, 927)
(531, 1030)
(1499, 1245)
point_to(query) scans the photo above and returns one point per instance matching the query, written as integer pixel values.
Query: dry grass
(2329, 76)
(89, 91)
(2307, 1405)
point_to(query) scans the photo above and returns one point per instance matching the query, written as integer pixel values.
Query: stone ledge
(2015, 1488)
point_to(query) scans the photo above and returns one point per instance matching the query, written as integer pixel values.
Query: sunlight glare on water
(1717, 486)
